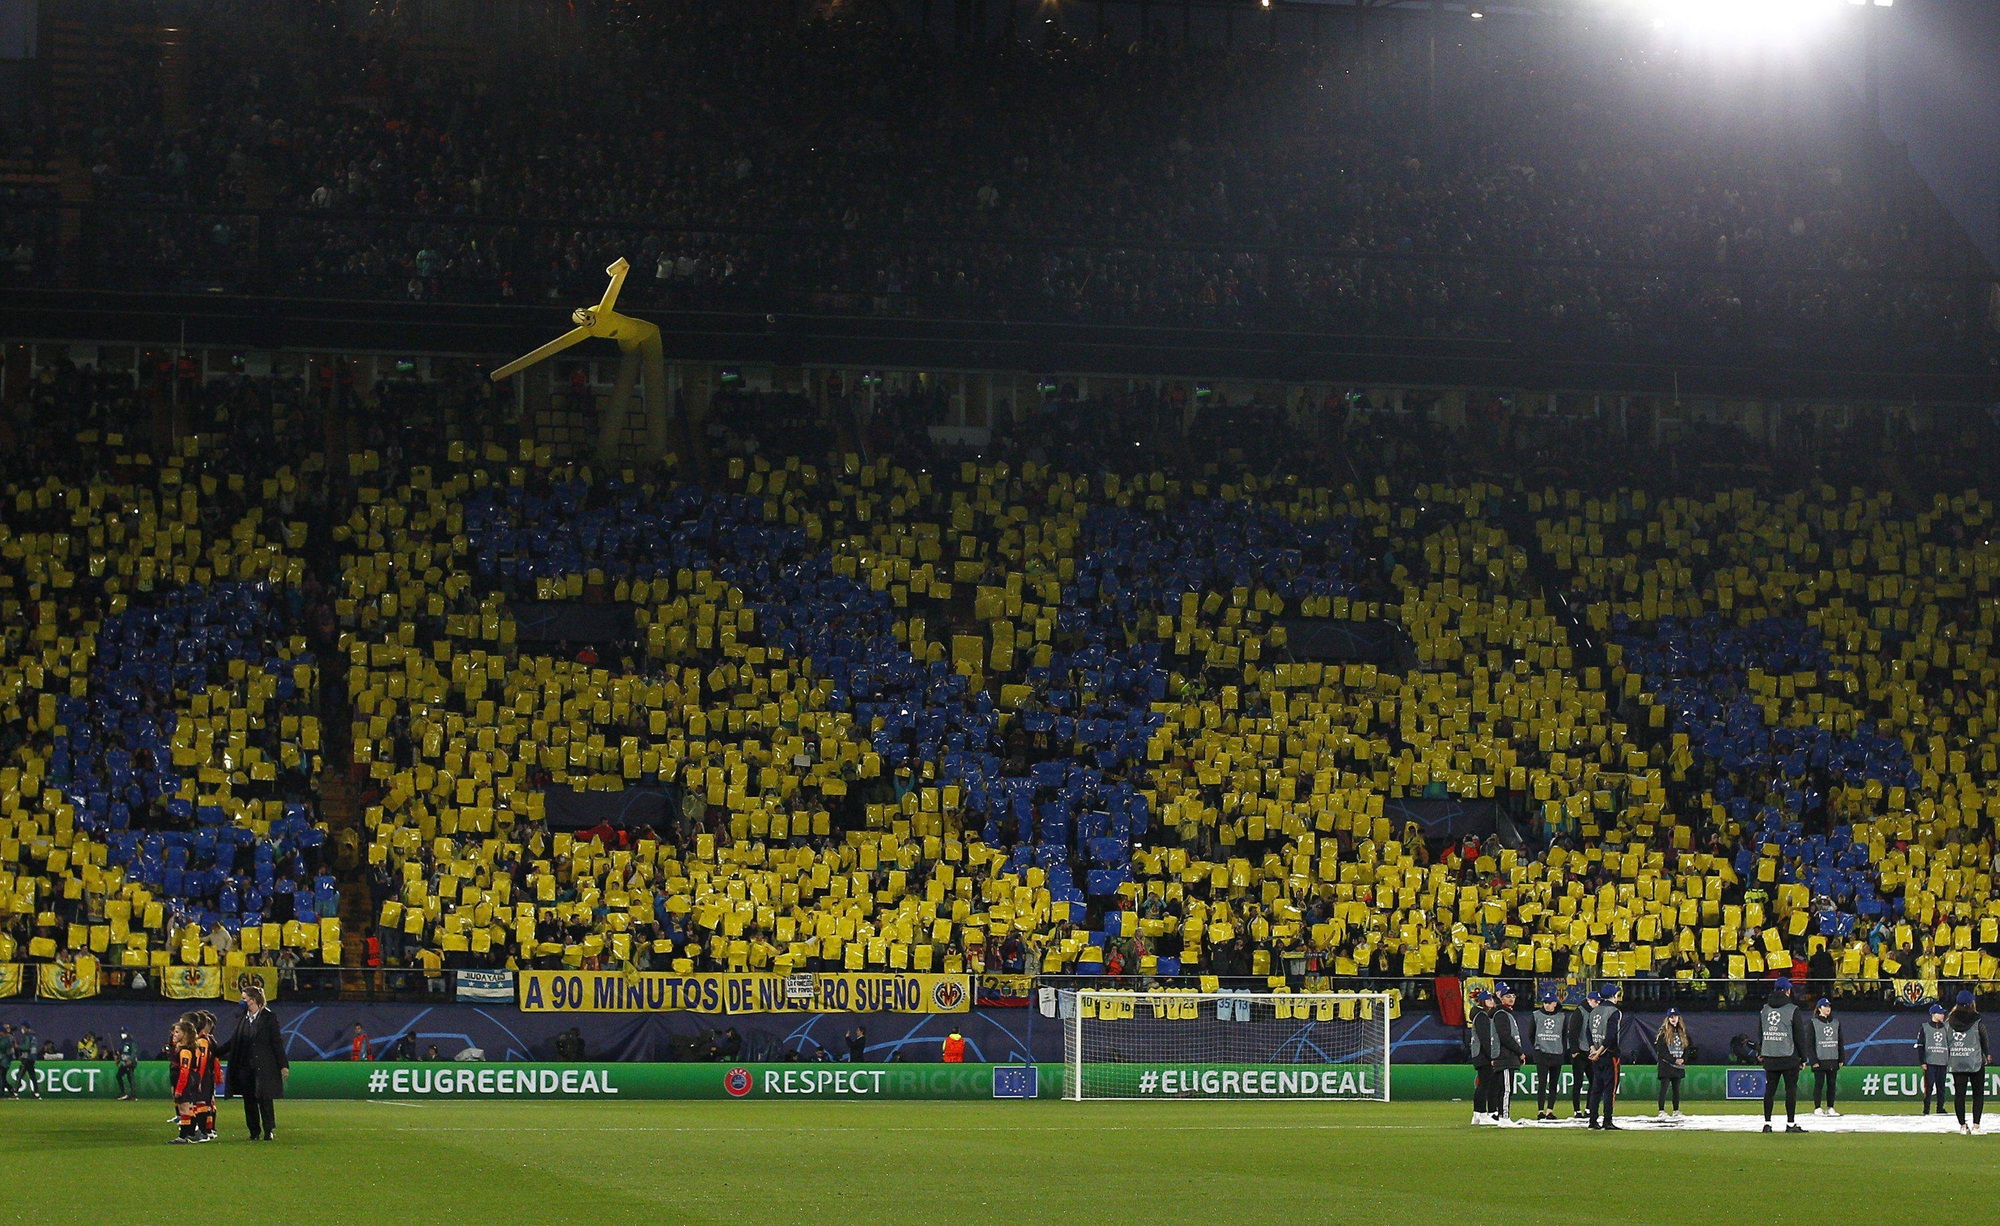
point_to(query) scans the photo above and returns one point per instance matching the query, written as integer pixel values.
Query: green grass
(1103, 1164)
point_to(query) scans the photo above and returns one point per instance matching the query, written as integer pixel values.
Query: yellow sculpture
(638, 342)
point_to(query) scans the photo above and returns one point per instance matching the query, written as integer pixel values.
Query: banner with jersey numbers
(613, 992)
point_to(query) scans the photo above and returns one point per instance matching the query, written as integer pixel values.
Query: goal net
(1330, 1046)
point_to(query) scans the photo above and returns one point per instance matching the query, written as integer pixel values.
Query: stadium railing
(414, 985)
(321, 983)
(316, 254)
(1688, 995)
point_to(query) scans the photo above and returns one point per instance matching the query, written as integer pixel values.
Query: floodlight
(1745, 22)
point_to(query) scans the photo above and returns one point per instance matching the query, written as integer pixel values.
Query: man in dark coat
(257, 1064)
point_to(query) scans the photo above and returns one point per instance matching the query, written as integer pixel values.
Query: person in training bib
(1549, 1048)
(1934, 1052)
(28, 1051)
(1971, 1052)
(1479, 1048)
(1507, 1054)
(1828, 1052)
(1579, 1053)
(1784, 1039)
(1673, 1049)
(128, 1068)
(1601, 1029)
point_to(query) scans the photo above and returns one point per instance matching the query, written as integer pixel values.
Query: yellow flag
(76, 981)
(191, 982)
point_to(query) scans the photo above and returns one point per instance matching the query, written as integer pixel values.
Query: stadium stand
(1821, 664)
(992, 714)
(1078, 745)
(1151, 684)
(781, 173)
(163, 721)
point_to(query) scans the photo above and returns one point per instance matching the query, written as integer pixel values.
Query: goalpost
(1325, 1046)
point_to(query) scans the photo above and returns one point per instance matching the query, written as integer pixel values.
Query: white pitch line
(1710, 1124)
(969, 1128)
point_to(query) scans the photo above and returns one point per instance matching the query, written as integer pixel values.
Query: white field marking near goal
(1226, 1046)
(1753, 1121)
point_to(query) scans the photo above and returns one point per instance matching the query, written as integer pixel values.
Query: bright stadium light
(1746, 21)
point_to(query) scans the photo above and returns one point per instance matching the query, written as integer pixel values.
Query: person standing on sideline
(1971, 1052)
(1550, 1052)
(1934, 1053)
(357, 1046)
(1507, 1056)
(1784, 1038)
(257, 1064)
(1829, 1050)
(28, 1051)
(187, 1086)
(954, 1048)
(857, 1044)
(1479, 1053)
(128, 1065)
(1674, 1049)
(1579, 1052)
(207, 1066)
(1601, 1027)
(7, 1061)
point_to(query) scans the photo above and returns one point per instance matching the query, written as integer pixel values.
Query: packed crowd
(1035, 711)
(1821, 662)
(162, 744)
(738, 159)
(1032, 718)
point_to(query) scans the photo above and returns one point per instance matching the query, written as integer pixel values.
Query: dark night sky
(1941, 95)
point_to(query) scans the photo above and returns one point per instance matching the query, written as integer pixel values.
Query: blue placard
(1015, 1081)
(1744, 1083)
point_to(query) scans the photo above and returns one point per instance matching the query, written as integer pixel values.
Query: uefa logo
(947, 995)
(738, 1082)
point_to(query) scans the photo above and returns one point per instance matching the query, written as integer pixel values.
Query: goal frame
(1383, 1004)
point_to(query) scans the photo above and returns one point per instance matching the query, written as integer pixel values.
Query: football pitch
(383, 1164)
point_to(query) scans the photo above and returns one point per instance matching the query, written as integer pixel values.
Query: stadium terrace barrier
(316, 1032)
(355, 985)
(612, 1082)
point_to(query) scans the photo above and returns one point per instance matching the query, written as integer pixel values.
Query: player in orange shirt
(187, 1065)
(209, 1074)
